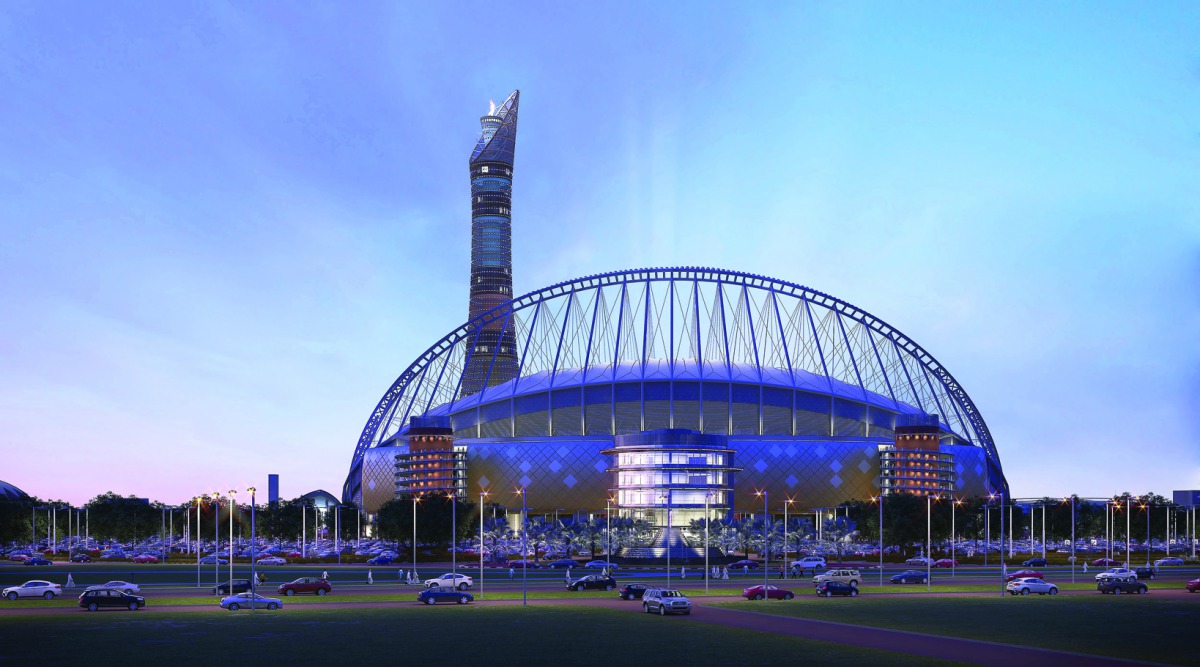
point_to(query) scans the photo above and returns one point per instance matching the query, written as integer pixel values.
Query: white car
(272, 560)
(123, 586)
(919, 560)
(1122, 573)
(1170, 560)
(809, 563)
(600, 565)
(460, 581)
(248, 600)
(1027, 585)
(33, 589)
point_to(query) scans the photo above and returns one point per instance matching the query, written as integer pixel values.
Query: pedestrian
(568, 575)
(683, 573)
(1004, 570)
(511, 573)
(781, 572)
(745, 570)
(325, 575)
(400, 575)
(370, 577)
(725, 573)
(1085, 567)
(70, 581)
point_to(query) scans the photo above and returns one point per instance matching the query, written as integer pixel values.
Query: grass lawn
(1130, 626)
(431, 635)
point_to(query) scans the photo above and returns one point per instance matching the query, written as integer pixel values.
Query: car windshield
(672, 594)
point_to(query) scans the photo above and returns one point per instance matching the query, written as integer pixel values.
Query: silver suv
(665, 601)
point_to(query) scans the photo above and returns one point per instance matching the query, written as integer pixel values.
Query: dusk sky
(228, 227)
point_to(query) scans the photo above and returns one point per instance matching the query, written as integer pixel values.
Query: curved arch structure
(696, 348)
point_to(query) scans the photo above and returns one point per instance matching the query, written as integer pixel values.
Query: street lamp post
(216, 538)
(482, 495)
(1073, 538)
(303, 530)
(707, 519)
(787, 502)
(453, 532)
(669, 537)
(766, 545)
(1003, 579)
(953, 537)
(198, 541)
(232, 509)
(928, 540)
(415, 499)
(1128, 530)
(524, 547)
(1147, 545)
(253, 572)
(880, 537)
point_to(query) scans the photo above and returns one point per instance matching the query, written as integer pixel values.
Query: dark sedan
(232, 586)
(563, 563)
(1144, 572)
(773, 593)
(829, 589)
(314, 585)
(95, 599)
(81, 558)
(1193, 585)
(1118, 587)
(753, 565)
(632, 591)
(1034, 562)
(36, 561)
(444, 594)
(910, 577)
(593, 582)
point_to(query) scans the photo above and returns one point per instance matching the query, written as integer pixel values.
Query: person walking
(370, 577)
(325, 575)
(568, 575)
(70, 581)
(683, 573)
(725, 573)
(1085, 567)
(781, 572)
(511, 573)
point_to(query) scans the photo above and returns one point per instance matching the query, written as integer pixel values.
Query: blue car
(380, 560)
(213, 560)
(36, 561)
(563, 563)
(444, 594)
(910, 577)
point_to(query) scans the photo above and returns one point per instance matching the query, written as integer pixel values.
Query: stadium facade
(665, 390)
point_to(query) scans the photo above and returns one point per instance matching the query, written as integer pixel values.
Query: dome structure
(804, 386)
(10, 492)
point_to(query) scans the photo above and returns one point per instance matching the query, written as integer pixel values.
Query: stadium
(662, 391)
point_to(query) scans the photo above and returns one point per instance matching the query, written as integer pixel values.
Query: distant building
(10, 492)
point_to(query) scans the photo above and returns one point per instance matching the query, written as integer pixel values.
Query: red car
(1105, 562)
(945, 562)
(1193, 585)
(145, 558)
(773, 593)
(314, 585)
(1026, 573)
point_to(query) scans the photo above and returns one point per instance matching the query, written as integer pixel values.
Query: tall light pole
(928, 541)
(669, 536)
(524, 546)
(454, 532)
(216, 538)
(766, 544)
(1003, 579)
(880, 499)
(482, 495)
(707, 519)
(253, 572)
(787, 502)
(198, 541)
(1128, 530)
(1043, 531)
(1073, 538)
(987, 527)
(415, 499)
(232, 509)
(953, 536)
(1147, 545)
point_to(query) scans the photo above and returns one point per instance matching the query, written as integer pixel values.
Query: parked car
(211, 560)
(1034, 562)
(1119, 586)
(460, 581)
(809, 563)
(851, 577)
(272, 560)
(33, 589)
(919, 560)
(751, 564)
(593, 582)
(829, 589)
(773, 593)
(1145, 572)
(945, 562)
(1170, 560)
(1025, 574)
(562, 563)
(122, 586)
(1122, 573)
(666, 601)
(632, 591)
(249, 600)
(232, 587)
(1027, 585)
(910, 577)
(93, 599)
(145, 558)
(36, 560)
(444, 594)
(1193, 585)
(19, 557)
(380, 560)
(314, 585)
(81, 558)
(526, 564)
(1105, 562)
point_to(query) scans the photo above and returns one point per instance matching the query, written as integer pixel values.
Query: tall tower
(491, 358)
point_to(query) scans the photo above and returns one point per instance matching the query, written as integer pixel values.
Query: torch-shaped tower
(491, 357)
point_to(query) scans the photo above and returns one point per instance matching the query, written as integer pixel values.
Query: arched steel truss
(754, 328)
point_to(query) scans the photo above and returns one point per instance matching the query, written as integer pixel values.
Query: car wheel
(133, 606)
(321, 591)
(1054, 591)
(828, 594)
(854, 584)
(1116, 591)
(924, 580)
(1024, 591)
(11, 597)
(626, 597)
(92, 606)
(646, 608)
(48, 595)
(788, 596)
(662, 610)
(462, 600)
(853, 592)
(289, 592)
(1142, 590)
(607, 587)
(430, 600)
(272, 606)
(233, 606)
(758, 596)
(462, 587)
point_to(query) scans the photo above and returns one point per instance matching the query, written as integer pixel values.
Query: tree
(394, 520)
(837, 533)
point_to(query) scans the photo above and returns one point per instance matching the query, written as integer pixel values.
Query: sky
(228, 227)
